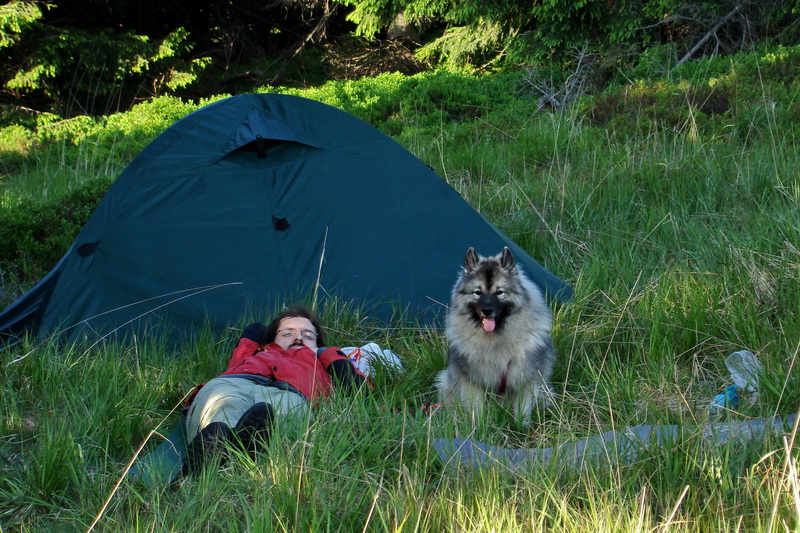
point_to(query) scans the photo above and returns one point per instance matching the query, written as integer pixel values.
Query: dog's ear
(507, 259)
(471, 260)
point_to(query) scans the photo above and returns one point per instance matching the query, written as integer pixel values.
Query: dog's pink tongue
(488, 324)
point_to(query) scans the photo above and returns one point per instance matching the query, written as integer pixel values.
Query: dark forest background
(72, 57)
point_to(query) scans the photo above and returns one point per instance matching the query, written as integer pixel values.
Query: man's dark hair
(294, 312)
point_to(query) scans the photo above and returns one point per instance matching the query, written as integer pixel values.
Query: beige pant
(226, 400)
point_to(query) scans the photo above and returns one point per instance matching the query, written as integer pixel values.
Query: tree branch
(724, 20)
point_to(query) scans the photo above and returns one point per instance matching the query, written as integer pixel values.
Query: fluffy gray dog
(498, 327)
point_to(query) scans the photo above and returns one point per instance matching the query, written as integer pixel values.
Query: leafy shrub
(86, 70)
(750, 92)
(34, 236)
(391, 101)
(121, 136)
(642, 107)
(148, 119)
(15, 143)
(70, 131)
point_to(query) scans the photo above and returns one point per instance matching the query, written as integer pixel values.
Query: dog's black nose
(487, 311)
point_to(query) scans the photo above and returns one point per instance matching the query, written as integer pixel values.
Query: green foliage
(34, 235)
(84, 146)
(475, 32)
(80, 69)
(465, 45)
(723, 96)
(468, 32)
(371, 16)
(560, 25)
(394, 103)
(478, 33)
(15, 142)
(16, 17)
(133, 130)
(121, 133)
(59, 61)
(107, 59)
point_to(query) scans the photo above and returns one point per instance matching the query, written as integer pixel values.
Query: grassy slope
(680, 236)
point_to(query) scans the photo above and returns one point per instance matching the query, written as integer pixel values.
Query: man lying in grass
(273, 374)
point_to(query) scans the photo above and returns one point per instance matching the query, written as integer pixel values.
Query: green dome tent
(256, 200)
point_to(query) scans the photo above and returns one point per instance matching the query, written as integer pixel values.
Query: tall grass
(681, 247)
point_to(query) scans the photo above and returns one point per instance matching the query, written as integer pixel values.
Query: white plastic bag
(365, 357)
(744, 369)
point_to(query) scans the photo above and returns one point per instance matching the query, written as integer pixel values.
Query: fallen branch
(713, 31)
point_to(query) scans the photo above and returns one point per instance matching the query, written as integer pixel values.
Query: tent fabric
(245, 204)
(164, 464)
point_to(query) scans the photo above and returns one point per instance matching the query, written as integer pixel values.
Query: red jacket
(301, 368)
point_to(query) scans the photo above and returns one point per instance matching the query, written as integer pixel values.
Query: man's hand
(256, 332)
(344, 375)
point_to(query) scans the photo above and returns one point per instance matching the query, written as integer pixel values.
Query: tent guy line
(198, 290)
